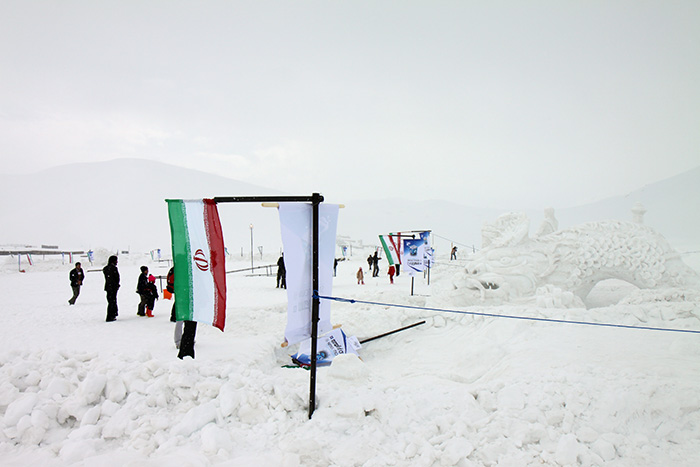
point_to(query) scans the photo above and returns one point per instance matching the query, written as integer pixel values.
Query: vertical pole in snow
(19, 262)
(412, 279)
(316, 199)
(251, 248)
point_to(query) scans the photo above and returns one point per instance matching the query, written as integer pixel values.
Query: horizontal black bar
(264, 199)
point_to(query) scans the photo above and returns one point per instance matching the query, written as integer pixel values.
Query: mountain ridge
(119, 204)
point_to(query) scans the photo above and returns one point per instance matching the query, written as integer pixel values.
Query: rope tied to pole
(494, 315)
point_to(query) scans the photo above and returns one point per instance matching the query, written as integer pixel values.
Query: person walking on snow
(391, 273)
(360, 277)
(76, 277)
(151, 293)
(141, 290)
(370, 261)
(111, 274)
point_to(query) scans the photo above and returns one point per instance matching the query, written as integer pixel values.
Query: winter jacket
(170, 284)
(151, 293)
(76, 277)
(111, 278)
(280, 265)
(142, 283)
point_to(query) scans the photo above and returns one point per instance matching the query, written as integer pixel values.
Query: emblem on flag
(200, 277)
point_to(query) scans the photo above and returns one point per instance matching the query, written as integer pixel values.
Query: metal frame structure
(315, 199)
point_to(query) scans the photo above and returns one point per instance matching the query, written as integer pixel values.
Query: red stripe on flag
(217, 257)
(398, 250)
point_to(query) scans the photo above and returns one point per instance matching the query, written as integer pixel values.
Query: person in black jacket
(76, 277)
(375, 264)
(281, 273)
(111, 287)
(141, 290)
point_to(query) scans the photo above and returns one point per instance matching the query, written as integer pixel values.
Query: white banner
(413, 253)
(296, 222)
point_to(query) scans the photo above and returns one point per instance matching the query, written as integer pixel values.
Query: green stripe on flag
(387, 252)
(182, 258)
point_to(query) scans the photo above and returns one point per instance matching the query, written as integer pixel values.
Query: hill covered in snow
(119, 205)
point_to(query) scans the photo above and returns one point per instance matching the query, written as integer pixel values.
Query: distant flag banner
(297, 239)
(199, 261)
(428, 251)
(413, 253)
(392, 248)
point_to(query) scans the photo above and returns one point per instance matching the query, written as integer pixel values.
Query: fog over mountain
(120, 205)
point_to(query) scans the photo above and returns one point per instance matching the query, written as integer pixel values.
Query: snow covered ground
(460, 390)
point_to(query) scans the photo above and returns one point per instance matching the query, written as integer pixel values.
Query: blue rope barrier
(493, 315)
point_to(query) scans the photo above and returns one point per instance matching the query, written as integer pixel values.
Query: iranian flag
(198, 254)
(391, 249)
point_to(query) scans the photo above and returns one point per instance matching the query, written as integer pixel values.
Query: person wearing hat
(111, 274)
(151, 293)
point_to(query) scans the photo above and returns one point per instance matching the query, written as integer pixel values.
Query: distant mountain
(673, 209)
(672, 205)
(120, 205)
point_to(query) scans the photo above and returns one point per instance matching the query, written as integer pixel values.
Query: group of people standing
(145, 287)
(148, 292)
(373, 263)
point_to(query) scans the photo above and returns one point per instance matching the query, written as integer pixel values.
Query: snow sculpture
(638, 212)
(549, 223)
(572, 261)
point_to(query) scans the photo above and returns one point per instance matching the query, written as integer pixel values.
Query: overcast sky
(498, 104)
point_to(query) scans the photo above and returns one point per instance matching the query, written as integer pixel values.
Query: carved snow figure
(549, 223)
(512, 265)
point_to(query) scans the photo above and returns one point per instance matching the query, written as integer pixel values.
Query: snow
(459, 390)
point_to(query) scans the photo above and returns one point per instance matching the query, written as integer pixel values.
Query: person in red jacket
(391, 272)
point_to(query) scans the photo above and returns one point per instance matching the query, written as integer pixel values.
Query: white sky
(499, 104)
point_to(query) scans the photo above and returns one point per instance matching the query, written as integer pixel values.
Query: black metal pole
(412, 279)
(262, 199)
(314, 304)
(392, 332)
(315, 200)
